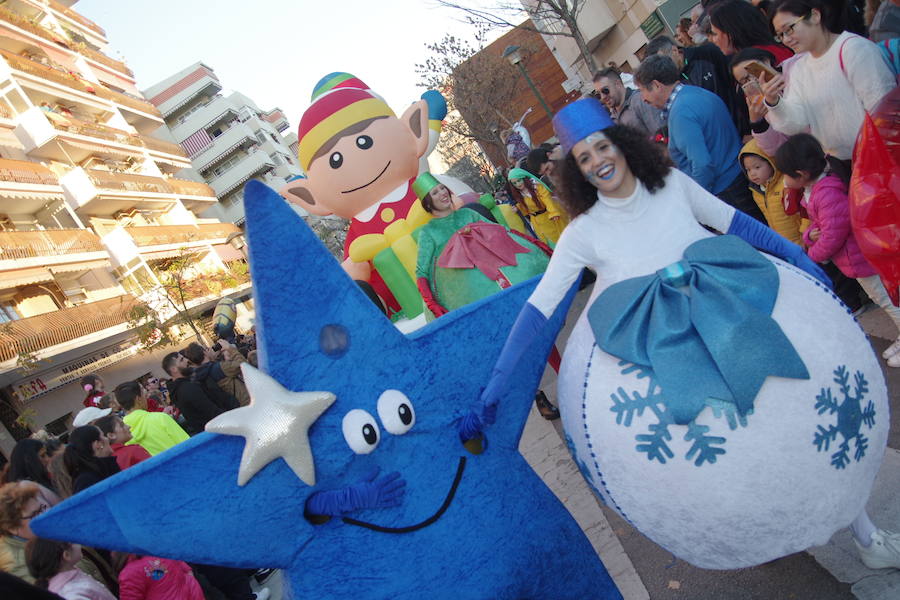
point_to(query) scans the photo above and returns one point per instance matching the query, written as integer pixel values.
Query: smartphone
(760, 70)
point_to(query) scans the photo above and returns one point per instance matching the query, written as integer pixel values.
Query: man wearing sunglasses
(625, 104)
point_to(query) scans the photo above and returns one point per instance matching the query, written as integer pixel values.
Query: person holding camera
(218, 370)
(188, 395)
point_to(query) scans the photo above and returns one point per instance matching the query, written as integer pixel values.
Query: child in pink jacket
(53, 566)
(830, 235)
(153, 578)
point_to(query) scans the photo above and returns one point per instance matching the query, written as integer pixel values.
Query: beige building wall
(613, 31)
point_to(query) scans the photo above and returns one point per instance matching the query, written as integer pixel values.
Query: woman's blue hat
(578, 120)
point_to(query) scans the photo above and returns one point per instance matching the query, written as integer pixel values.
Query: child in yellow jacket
(767, 186)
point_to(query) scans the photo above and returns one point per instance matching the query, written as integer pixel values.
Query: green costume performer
(463, 257)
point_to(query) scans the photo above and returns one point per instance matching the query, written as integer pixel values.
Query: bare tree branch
(548, 17)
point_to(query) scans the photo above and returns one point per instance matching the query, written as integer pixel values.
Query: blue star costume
(469, 526)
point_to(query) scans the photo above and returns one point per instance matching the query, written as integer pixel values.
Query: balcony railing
(23, 171)
(23, 23)
(158, 235)
(69, 79)
(51, 242)
(127, 100)
(191, 188)
(60, 326)
(97, 131)
(129, 181)
(163, 146)
(89, 52)
(20, 63)
(76, 17)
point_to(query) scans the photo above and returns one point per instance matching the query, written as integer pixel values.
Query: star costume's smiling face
(489, 528)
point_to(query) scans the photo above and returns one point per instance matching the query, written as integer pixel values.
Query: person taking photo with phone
(839, 78)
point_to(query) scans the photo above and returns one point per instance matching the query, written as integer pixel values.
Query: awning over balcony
(27, 195)
(202, 166)
(80, 266)
(162, 254)
(99, 148)
(228, 253)
(20, 277)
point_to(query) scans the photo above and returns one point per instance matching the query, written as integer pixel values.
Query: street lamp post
(514, 55)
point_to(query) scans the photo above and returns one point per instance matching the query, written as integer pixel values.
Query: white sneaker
(891, 350)
(884, 551)
(894, 361)
(263, 594)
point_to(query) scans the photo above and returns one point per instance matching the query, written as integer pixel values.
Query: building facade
(615, 33)
(95, 205)
(497, 92)
(227, 137)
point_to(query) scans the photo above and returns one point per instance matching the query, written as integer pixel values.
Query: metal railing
(76, 17)
(191, 188)
(80, 47)
(156, 235)
(64, 325)
(129, 181)
(49, 242)
(97, 130)
(23, 171)
(89, 52)
(163, 146)
(24, 23)
(127, 100)
(71, 80)
(21, 63)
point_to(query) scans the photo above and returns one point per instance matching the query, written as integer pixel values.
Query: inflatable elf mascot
(360, 160)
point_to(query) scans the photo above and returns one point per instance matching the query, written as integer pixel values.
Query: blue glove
(527, 326)
(384, 492)
(764, 238)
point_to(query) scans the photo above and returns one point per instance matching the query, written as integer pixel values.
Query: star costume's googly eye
(360, 431)
(396, 412)
(364, 142)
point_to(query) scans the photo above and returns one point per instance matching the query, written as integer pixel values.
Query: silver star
(275, 424)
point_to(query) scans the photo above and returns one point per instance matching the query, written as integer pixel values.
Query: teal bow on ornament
(703, 324)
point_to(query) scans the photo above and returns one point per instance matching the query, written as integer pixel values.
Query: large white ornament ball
(793, 472)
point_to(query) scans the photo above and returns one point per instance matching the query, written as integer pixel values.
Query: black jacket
(706, 67)
(106, 467)
(209, 375)
(194, 403)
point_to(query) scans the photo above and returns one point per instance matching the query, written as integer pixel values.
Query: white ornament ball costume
(793, 471)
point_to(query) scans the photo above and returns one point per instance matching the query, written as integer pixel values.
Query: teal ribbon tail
(703, 325)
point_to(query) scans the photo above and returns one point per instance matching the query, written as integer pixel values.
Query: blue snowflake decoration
(705, 449)
(850, 418)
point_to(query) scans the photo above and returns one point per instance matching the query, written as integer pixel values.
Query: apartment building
(95, 204)
(228, 138)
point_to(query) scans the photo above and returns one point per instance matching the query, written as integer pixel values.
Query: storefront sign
(29, 389)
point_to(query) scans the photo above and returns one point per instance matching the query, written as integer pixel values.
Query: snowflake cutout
(850, 418)
(705, 449)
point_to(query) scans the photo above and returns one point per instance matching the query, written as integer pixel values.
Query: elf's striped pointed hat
(339, 100)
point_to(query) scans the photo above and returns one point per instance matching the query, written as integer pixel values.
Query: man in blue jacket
(703, 141)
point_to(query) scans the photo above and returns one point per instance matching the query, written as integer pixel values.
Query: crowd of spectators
(113, 432)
